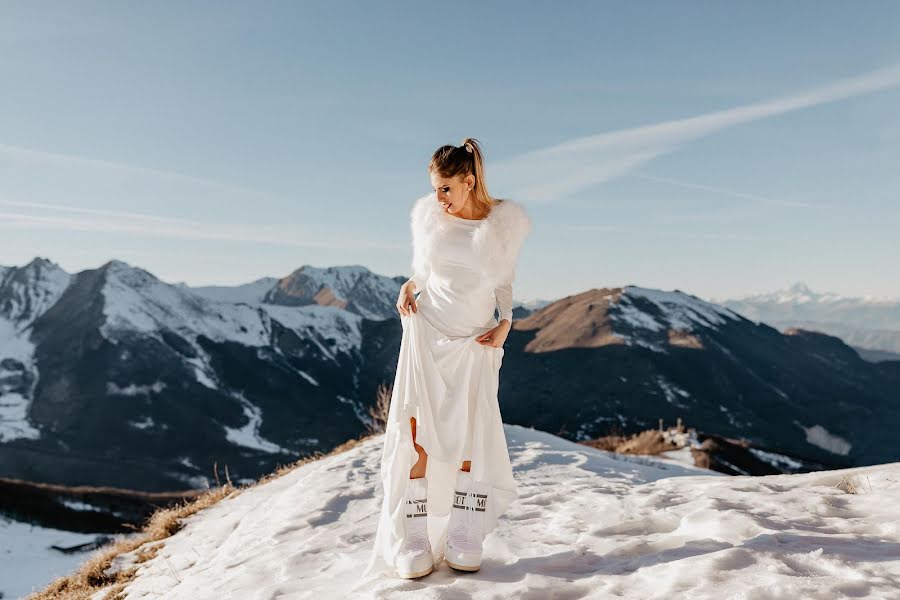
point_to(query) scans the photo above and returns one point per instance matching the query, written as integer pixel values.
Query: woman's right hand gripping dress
(407, 300)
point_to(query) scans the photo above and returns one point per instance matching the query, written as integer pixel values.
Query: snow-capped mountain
(800, 294)
(25, 294)
(114, 362)
(353, 288)
(870, 323)
(621, 359)
(587, 524)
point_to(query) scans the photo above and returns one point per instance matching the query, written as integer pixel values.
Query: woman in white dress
(445, 469)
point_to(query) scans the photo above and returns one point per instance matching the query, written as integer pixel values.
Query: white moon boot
(414, 558)
(464, 537)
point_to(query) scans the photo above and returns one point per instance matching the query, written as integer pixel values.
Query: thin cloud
(152, 183)
(150, 225)
(548, 174)
(116, 169)
(656, 233)
(727, 192)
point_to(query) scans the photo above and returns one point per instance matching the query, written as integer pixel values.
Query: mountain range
(870, 324)
(112, 377)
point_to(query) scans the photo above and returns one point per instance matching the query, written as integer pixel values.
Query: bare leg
(418, 469)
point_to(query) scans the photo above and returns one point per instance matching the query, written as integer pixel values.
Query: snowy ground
(28, 563)
(588, 524)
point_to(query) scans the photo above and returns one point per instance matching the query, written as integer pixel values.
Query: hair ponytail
(460, 161)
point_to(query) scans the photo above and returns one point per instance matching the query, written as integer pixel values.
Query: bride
(445, 468)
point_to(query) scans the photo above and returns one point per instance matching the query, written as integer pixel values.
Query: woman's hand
(407, 299)
(495, 337)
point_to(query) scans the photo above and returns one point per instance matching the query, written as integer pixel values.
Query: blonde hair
(450, 161)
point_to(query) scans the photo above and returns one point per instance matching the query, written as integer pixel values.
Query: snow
(30, 290)
(84, 506)
(587, 524)
(28, 563)
(359, 409)
(14, 417)
(821, 437)
(853, 318)
(677, 311)
(138, 301)
(672, 392)
(779, 461)
(637, 341)
(635, 317)
(344, 284)
(27, 292)
(186, 461)
(307, 377)
(200, 363)
(682, 456)
(732, 420)
(249, 435)
(332, 329)
(146, 422)
(682, 311)
(135, 300)
(800, 293)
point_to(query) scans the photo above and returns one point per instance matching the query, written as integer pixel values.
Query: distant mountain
(249, 293)
(353, 288)
(869, 323)
(876, 355)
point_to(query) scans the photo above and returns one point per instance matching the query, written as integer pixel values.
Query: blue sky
(716, 148)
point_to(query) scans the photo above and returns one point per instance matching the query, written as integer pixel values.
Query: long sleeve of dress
(418, 280)
(504, 300)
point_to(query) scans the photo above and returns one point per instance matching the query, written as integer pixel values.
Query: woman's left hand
(495, 337)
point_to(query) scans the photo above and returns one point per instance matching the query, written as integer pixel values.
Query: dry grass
(92, 575)
(853, 485)
(379, 412)
(649, 442)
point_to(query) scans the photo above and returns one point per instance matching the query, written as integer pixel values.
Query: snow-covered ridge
(588, 522)
(657, 319)
(250, 293)
(341, 280)
(800, 293)
(678, 309)
(135, 300)
(354, 287)
(25, 294)
(863, 321)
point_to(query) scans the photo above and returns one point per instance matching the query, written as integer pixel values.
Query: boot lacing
(466, 528)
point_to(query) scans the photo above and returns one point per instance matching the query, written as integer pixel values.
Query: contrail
(548, 174)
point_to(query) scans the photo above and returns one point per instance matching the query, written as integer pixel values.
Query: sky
(716, 148)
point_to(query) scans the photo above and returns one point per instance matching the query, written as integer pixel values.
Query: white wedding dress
(448, 381)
